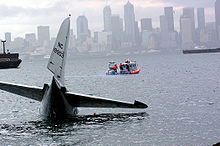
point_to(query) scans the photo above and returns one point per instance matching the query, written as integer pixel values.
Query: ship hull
(10, 64)
(217, 50)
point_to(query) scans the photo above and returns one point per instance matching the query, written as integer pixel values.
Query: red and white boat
(129, 67)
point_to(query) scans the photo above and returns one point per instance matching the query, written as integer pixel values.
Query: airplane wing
(80, 100)
(31, 92)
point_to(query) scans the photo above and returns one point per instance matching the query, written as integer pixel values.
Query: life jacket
(115, 67)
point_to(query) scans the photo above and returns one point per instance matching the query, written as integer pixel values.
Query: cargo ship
(217, 50)
(9, 60)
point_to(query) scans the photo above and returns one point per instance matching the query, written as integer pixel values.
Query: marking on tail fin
(57, 59)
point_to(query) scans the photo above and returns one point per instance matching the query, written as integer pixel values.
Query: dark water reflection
(57, 130)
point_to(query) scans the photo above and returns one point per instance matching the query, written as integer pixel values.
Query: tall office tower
(201, 18)
(200, 31)
(82, 29)
(116, 32)
(30, 40)
(217, 19)
(30, 37)
(164, 26)
(43, 34)
(146, 24)
(137, 35)
(129, 18)
(168, 11)
(107, 18)
(164, 32)
(8, 37)
(211, 31)
(186, 34)
(121, 25)
(189, 13)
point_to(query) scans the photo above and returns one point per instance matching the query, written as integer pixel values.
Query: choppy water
(182, 92)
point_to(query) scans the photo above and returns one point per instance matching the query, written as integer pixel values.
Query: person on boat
(127, 61)
(121, 66)
(127, 67)
(115, 67)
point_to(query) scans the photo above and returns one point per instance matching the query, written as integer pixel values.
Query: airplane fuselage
(54, 103)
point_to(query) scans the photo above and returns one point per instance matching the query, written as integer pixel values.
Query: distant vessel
(9, 60)
(129, 67)
(201, 51)
(112, 68)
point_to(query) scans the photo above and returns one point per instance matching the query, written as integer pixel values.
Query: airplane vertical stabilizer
(58, 56)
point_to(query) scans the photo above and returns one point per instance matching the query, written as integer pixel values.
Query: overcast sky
(23, 16)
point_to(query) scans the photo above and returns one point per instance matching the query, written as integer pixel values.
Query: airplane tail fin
(58, 56)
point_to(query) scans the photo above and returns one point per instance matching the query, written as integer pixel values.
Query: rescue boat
(128, 67)
(112, 69)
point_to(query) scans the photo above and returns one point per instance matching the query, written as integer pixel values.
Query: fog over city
(24, 16)
(111, 25)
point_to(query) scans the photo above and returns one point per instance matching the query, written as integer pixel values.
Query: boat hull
(111, 72)
(123, 72)
(136, 71)
(10, 64)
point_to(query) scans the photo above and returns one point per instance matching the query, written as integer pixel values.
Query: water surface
(182, 92)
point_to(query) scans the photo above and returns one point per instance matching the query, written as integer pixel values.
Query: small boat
(112, 69)
(9, 60)
(129, 67)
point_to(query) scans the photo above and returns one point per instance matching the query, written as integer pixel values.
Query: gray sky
(23, 16)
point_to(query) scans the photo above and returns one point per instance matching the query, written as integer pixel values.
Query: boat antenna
(3, 43)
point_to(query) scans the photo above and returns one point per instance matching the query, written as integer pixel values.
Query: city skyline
(143, 9)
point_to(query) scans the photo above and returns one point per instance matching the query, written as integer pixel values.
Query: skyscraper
(116, 32)
(43, 34)
(30, 39)
(137, 35)
(168, 11)
(82, 29)
(164, 25)
(186, 34)
(164, 32)
(217, 18)
(146, 24)
(189, 13)
(8, 37)
(129, 18)
(107, 18)
(201, 18)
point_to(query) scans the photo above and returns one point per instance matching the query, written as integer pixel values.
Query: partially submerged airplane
(57, 101)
